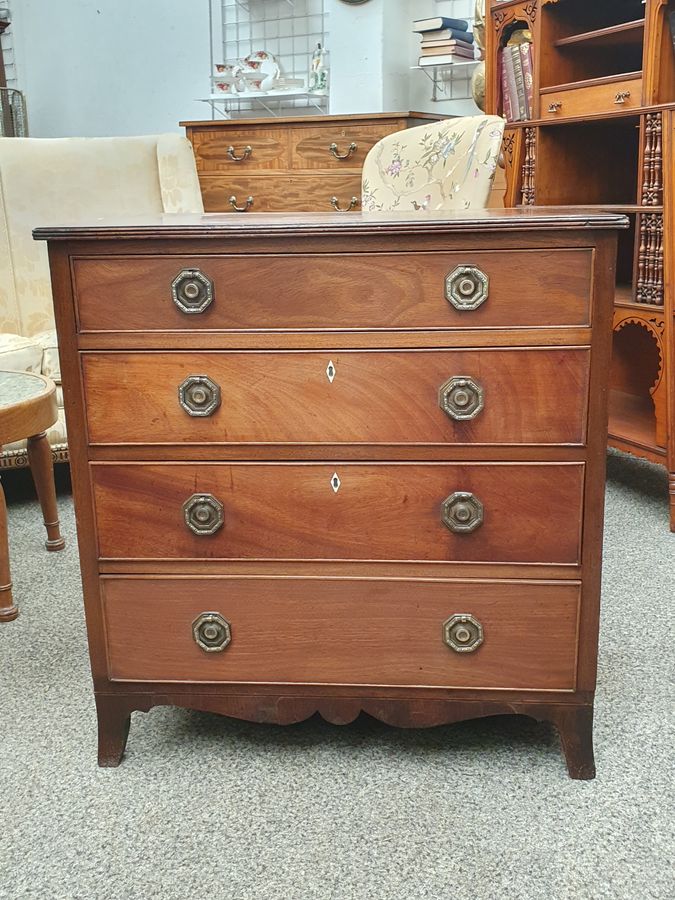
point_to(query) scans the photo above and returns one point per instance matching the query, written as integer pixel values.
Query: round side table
(27, 409)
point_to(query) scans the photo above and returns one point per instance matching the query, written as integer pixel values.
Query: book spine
(526, 56)
(520, 82)
(512, 92)
(506, 98)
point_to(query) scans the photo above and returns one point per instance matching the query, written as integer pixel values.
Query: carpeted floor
(205, 807)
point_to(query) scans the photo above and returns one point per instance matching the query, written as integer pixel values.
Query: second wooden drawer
(407, 397)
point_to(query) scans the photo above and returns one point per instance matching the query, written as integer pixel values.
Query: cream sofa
(47, 181)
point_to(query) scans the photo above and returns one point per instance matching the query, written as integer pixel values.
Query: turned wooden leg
(42, 468)
(7, 609)
(114, 719)
(575, 727)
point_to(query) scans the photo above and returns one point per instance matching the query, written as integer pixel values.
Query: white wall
(111, 67)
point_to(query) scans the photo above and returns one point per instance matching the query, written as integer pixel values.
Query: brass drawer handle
(211, 632)
(247, 152)
(353, 203)
(233, 203)
(199, 395)
(461, 398)
(203, 514)
(462, 633)
(466, 287)
(192, 291)
(621, 97)
(555, 107)
(462, 512)
(351, 149)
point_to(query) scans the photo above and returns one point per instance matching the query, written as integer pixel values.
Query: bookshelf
(602, 132)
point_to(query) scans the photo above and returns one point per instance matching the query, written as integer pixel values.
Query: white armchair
(46, 181)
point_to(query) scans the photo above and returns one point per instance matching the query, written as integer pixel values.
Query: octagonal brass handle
(466, 287)
(351, 149)
(335, 203)
(245, 208)
(211, 632)
(199, 395)
(248, 150)
(462, 512)
(461, 398)
(192, 291)
(462, 633)
(203, 513)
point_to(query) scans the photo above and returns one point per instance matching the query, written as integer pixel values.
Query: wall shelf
(435, 74)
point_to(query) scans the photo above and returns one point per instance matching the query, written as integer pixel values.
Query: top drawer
(232, 149)
(335, 146)
(623, 93)
(374, 291)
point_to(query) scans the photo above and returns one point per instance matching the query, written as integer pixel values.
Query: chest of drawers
(340, 464)
(291, 163)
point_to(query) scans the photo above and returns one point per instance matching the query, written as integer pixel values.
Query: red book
(526, 56)
(506, 99)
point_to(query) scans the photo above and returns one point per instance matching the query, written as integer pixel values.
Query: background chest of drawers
(336, 464)
(309, 163)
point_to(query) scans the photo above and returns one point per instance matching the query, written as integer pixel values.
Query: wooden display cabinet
(603, 134)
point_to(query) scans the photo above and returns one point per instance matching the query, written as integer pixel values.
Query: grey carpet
(204, 806)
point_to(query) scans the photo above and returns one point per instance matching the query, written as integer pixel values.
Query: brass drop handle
(335, 203)
(351, 149)
(199, 395)
(248, 150)
(203, 514)
(463, 633)
(555, 107)
(192, 291)
(462, 512)
(466, 287)
(211, 632)
(461, 398)
(621, 97)
(233, 203)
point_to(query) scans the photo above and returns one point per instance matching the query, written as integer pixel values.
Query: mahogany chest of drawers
(310, 163)
(340, 464)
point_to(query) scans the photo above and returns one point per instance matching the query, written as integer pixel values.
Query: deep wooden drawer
(338, 397)
(385, 632)
(380, 291)
(378, 511)
(269, 149)
(280, 193)
(624, 93)
(316, 147)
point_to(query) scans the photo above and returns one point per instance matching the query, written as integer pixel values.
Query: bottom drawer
(280, 193)
(343, 631)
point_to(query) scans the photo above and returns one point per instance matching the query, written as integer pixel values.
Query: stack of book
(515, 69)
(444, 40)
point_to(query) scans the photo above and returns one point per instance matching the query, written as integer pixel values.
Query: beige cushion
(51, 365)
(442, 165)
(20, 354)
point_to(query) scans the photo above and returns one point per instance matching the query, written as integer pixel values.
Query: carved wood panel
(650, 260)
(528, 189)
(652, 167)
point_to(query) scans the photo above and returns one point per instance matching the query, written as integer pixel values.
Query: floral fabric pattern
(443, 165)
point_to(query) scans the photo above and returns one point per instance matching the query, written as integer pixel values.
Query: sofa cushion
(51, 365)
(20, 354)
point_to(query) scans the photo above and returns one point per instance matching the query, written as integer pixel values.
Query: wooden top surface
(273, 121)
(224, 225)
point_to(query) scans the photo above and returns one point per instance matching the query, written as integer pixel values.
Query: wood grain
(591, 99)
(381, 511)
(310, 146)
(383, 397)
(279, 193)
(366, 290)
(356, 632)
(269, 149)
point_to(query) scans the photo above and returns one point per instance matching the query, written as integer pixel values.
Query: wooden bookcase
(603, 133)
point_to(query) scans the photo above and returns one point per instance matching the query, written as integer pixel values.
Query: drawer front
(225, 150)
(408, 397)
(382, 291)
(335, 146)
(600, 98)
(281, 193)
(338, 631)
(472, 512)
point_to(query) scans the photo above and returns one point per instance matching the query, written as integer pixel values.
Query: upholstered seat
(46, 181)
(442, 165)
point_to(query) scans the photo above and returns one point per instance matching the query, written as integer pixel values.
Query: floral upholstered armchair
(443, 165)
(47, 181)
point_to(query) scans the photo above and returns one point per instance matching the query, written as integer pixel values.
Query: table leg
(7, 609)
(42, 468)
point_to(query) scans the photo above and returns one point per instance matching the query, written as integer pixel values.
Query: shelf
(623, 295)
(261, 95)
(592, 82)
(632, 422)
(614, 35)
